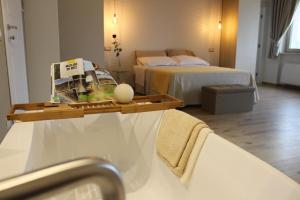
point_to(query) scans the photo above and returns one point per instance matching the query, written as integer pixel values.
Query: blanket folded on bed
(177, 137)
(160, 77)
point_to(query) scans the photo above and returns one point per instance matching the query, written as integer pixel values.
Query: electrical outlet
(107, 48)
(211, 50)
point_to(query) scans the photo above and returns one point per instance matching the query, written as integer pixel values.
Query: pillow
(184, 60)
(156, 61)
(178, 52)
(151, 53)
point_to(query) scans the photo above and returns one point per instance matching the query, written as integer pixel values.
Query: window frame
(288, 40)
(287, 44)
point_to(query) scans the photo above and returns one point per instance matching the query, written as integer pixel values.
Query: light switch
(107, 48)
(211, 50)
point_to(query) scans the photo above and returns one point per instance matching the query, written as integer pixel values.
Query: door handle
(1, 36)
(12, 37)
(9, 27)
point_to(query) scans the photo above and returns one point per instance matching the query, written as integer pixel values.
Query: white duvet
(187, 86)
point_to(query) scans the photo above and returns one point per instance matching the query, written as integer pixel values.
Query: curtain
(283, 12)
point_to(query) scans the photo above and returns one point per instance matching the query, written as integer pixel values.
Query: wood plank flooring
(271, 131)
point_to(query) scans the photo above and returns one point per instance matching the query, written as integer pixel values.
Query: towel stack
(176, 139)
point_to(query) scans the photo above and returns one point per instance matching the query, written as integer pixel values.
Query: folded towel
(176, 139)
(194, 155)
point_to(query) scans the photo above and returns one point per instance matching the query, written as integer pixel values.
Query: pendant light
(115, 18)
(220, 25)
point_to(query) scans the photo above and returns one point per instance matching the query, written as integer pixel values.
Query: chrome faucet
(97, 171)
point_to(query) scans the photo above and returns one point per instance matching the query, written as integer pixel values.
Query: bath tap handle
(97, 171)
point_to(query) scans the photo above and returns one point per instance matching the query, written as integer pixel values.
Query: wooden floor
(271, 131)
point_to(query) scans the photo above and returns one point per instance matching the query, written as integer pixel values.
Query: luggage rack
(50, 111)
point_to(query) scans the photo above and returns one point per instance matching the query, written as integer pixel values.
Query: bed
(185, 82)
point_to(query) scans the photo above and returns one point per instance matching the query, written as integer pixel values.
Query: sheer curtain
(283, 12)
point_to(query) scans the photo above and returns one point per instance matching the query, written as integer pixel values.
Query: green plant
(116, 46)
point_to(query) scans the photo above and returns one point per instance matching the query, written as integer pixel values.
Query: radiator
(290, 74)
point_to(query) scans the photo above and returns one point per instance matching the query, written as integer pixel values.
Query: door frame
(262, 41)
(13, 70)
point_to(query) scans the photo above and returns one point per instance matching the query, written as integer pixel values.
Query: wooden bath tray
(49, 111)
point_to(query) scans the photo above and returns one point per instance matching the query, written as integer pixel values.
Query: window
(294, 33)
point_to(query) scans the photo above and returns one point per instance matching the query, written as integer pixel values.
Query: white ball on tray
(124, 93)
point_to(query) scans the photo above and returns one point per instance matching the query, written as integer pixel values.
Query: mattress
(186, 82)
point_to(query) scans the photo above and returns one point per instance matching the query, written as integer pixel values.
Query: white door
(262, 52)
(15, 50)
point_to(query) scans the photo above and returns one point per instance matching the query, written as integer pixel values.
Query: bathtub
(222, 171)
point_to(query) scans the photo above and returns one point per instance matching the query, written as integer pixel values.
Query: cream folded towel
(176, 139)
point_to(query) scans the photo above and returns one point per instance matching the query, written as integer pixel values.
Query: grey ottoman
(221, 99)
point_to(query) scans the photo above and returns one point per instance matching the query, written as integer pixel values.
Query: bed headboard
(177, 52)
(149, 53)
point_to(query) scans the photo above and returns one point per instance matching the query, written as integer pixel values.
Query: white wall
(81, 30)
(42, 45)
(290, 73)
(58, 30)
(158, 25)
(273, 69)
(248, 29)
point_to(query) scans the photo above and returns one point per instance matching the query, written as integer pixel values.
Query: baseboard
(268, 83)
(285, 86)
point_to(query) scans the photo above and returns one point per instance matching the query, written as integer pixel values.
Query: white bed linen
(187, 86)
(139, 72)
(157, 61)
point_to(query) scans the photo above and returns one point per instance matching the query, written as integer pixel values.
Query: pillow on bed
(156, 61)
(184, 60)
(178, 52)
